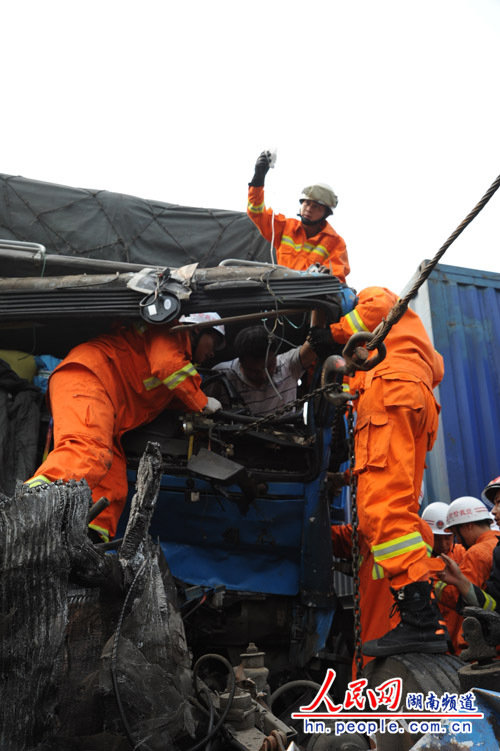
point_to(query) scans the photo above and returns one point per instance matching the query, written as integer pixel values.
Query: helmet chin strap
(308, 222)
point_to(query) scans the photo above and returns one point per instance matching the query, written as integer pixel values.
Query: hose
(220, 721)
(292, 684)
(211, 716)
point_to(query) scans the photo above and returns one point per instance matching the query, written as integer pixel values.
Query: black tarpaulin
(101, 224)
(20, 403)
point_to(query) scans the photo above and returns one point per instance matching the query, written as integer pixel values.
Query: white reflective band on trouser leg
(398, 546)
(38, 480)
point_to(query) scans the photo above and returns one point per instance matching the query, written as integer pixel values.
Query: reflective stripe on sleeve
(489, 602)
(256, 208)
(438, 589)
(355, 321)
(175, 379)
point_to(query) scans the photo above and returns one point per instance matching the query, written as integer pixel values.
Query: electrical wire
(194, 607)
(272, 238)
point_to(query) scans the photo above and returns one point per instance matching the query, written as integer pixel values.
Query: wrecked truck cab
(242, 514)
(243, 510)
(243, 507)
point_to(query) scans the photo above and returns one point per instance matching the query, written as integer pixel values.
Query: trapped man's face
(254, 369)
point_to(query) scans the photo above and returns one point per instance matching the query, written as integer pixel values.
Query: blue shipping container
(461, 310)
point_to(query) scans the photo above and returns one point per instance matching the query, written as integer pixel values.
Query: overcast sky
(395, 103)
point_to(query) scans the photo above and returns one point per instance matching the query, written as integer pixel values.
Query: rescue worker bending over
(468, 583)
(299, 244)
(489, 597)
(435, 515)
(112, 384)
(397, 421)
(263, 379)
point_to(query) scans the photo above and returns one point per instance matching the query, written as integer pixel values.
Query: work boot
(421, 628)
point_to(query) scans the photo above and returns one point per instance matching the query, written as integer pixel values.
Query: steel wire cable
(400, 307)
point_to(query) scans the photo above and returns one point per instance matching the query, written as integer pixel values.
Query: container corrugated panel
(461, 310)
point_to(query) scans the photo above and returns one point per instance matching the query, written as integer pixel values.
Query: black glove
(261, 169)
(322, 341)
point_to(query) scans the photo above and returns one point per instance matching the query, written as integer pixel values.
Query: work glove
(322, 341)
(261, 169)
(318, 268)
(212, 405)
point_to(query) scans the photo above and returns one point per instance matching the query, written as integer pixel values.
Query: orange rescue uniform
(452, 619)
(377, 613)
(397, 421)
(476, 565)
(293, 248)
(102, 389)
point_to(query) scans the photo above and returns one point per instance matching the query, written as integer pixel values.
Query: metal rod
(96, 509)
(236, 319)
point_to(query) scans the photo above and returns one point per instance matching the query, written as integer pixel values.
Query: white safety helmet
(321, 193)
(205, 318)
(489, 491)
(435, 515)
(467, 509)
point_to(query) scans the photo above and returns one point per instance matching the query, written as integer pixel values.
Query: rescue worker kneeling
(112, 384)
(397, 421)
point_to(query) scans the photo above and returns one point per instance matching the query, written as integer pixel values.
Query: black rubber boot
(421, 628)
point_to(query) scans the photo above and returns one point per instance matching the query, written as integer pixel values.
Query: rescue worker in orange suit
(397, 421)
(487, 597)
(112, 384)
(469, 520)
(444, 544)
(299, 243)
(374, 590)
